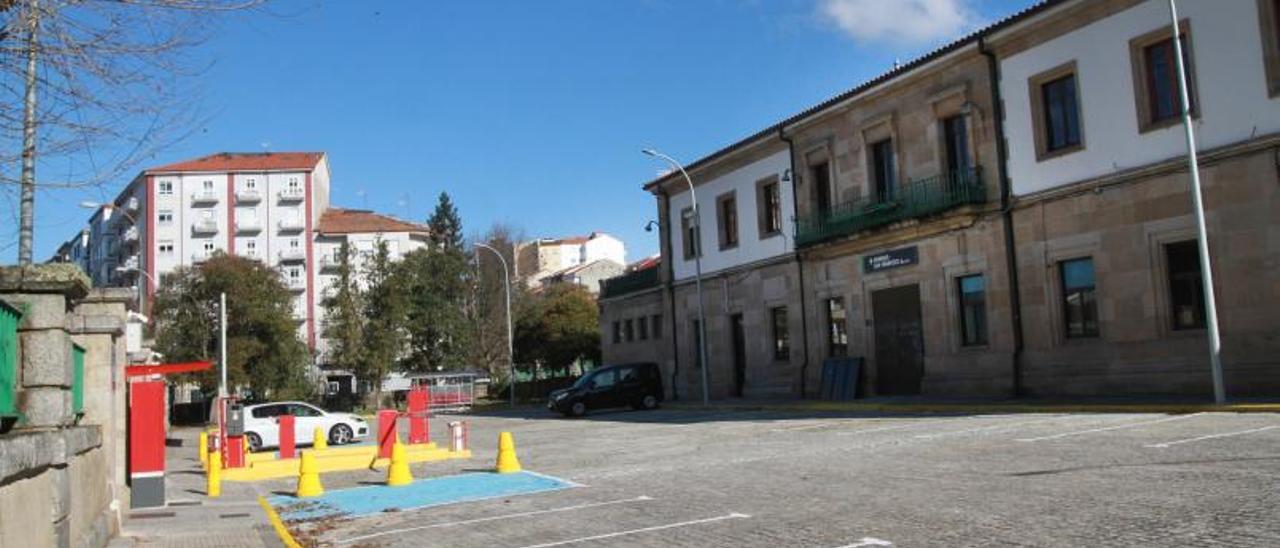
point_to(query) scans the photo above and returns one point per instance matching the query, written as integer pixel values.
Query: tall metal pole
(27, 199)
(1197, 195)
(222, 344)
(697, 279)
(511, 354)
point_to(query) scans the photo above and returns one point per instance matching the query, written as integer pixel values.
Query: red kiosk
(147, 429)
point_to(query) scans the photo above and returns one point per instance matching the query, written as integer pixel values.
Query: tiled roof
(246, 161)
(645, 263)
(1038, 7)
(354, 221)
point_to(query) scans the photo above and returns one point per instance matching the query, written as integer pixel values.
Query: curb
(912, 408)
(281, 531)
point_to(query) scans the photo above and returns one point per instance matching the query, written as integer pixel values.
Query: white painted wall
(750, 247)
(604, 247)
(1230, 76)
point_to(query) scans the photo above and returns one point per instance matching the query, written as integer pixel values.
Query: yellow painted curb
(281, 531)
(992, 408)
(288, 468)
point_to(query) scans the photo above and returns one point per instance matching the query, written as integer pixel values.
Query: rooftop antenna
(266, 147)
(897, 63)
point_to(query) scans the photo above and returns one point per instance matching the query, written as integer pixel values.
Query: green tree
(344, 327)
(384, 312)
(446, 225)
(559, 327)
(435, 285)
(264, 352)
(486, 305)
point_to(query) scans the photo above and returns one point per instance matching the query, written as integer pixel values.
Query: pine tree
(384, 312)
(446, 225)
(344, 320)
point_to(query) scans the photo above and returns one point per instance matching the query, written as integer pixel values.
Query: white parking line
(894, 427)
(803, 427)
(734, 515)
(995, 427)
(1109, 428)
(641, 498)
(1213, 436)
(868, 541)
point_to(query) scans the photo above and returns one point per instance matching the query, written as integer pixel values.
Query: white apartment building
(271, 206)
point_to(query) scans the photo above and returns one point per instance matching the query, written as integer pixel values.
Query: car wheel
(254, 441)
(578, 409)
(340, 434)
(649, 402)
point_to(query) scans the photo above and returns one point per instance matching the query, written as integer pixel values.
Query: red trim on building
(150, 226)
(310, 273)
(231, 214)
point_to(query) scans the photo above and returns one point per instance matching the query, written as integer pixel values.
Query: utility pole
(1197, 196)
(28, 178)
(511, 352)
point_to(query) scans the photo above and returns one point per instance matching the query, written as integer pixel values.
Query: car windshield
(597, 376)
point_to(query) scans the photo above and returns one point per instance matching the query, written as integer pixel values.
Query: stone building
(1008, 215)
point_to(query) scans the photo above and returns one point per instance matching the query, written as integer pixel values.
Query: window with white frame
(165, 217)
(251, 184)
(293, 182)
(166, 188)
(208, 186)
(166, 247)
(208, 248)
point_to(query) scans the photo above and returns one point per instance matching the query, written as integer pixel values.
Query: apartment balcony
(289, 225)
(295, 284)
(129, 264)
(132, 205)
(293, 255)
(245, 226)
(205, 227)
(130, 234)
(249, 254)
(292, 194)
(299, 315)
(201, 256)
(329, 262)
(204, 197)
(916, 199)
(248, 196)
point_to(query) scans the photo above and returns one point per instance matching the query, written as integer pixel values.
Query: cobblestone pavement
(760, 478)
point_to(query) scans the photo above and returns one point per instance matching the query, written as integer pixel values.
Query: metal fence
(629, 283)
(915, 199)
(449, 391)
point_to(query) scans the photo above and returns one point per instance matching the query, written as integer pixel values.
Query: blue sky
(527, 113)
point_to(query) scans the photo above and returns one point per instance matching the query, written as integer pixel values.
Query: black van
(638, 385)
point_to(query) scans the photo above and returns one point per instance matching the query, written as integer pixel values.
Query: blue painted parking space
(376, 499)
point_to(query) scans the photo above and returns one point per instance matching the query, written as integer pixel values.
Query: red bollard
(288, 437)
(386, 431)
(419, 428)
(234, 452)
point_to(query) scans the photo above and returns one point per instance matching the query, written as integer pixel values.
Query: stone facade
(1123, 223)
(961, 241)
(58, 476)
(649, 306)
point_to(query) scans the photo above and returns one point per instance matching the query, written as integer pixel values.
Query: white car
(262, 428)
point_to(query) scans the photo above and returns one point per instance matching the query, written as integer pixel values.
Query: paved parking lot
(756, 478)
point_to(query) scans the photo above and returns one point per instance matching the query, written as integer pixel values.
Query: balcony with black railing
(918, 198)
(629, 283)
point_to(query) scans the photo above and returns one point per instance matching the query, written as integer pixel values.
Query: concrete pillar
(97, 324)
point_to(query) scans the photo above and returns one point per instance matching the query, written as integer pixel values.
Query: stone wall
(57, 486)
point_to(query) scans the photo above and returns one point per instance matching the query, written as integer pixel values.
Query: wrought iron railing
(918, 198)
(629, 282)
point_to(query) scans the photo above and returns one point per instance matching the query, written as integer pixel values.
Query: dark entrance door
(899, 340)
(739, 355)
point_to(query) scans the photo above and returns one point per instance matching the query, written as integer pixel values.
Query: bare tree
(93, 87)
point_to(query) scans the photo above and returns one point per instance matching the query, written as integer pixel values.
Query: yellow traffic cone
(398, 473)
(309, 477)
(507, 461)
(213, 484)
(204, 449)
(318, 439)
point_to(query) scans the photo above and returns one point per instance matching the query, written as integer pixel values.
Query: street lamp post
(511, 357)
(1197, 196)
(697, 279)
